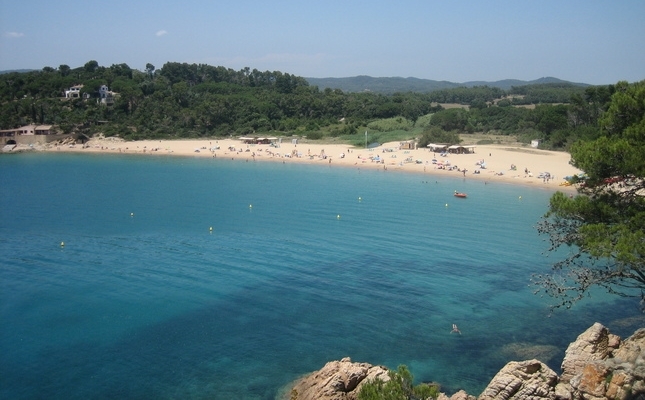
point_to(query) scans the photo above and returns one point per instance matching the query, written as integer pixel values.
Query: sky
(587, 41)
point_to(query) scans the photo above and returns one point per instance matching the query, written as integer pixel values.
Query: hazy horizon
(578, 41)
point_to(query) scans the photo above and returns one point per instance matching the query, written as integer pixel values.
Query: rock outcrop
(337, 380)
(615, 372)
(460, 395)
(596, 366)
(522, 380)
(592, 345)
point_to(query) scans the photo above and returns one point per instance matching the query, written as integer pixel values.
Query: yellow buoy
(520, 197)
(446, 204)
(250, 205)
(132, 214)
(210, 229)
(338, 216)
(360, 199)
(62, 244)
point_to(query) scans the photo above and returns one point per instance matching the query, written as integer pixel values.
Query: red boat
(462, 195)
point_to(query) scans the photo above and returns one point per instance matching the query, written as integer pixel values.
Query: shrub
(438, 135)
(313, 135)
(399, 387)
(423, 121)
(390, 124)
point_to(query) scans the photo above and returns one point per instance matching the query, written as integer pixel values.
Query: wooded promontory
(182, 100)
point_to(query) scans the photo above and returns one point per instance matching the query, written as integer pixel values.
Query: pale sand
(497, 158)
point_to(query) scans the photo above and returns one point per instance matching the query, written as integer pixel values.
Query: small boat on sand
(462, 195)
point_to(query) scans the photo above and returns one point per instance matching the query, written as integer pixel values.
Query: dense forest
(183, 100)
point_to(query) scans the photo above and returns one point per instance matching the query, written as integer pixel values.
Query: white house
(106, 96)
(74, 92)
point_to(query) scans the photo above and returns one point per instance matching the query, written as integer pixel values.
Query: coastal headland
(489, 163)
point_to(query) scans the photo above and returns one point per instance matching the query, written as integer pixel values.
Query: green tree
(91, 66)
(150, 70)
(64, 69)
(451, 119)
(437, 135)
(604, 225)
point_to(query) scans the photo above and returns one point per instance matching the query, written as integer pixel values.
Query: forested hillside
(391, 85)
(196, 100)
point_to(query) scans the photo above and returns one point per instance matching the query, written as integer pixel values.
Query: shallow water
(144, 301)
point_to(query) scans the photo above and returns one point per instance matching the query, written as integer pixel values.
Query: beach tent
(437, 147)
(457, 149)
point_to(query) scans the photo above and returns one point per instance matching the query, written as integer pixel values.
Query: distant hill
(8, 71)
(364, 83)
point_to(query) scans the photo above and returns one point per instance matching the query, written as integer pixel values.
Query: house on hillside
(74, 92)
(106, 96)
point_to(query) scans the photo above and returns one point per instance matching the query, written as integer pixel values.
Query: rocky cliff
(337, 380)
(597, 365)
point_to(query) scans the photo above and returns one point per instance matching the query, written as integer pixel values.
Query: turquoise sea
(304, 264)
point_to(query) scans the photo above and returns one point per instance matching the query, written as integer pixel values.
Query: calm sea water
(304, 264)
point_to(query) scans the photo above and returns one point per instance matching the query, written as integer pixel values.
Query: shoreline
(497, 159)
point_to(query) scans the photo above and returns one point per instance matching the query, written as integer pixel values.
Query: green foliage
(423, 121)
(454, 119)
(343, 130)
(464, 95)
(438, 136)
(527, 135)
(198, 100)
(313, 135)
(399, 387)
(546, 93)
(506, 120)
(390, 124)
(91, 66)
(603, 226)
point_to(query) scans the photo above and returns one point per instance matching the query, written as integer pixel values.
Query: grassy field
(484, 138)
(358, 140)
(399, 129)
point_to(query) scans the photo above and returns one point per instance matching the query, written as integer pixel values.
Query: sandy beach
(490, 163)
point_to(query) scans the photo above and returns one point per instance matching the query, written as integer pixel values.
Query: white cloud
(161, 33)
(14, 34)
